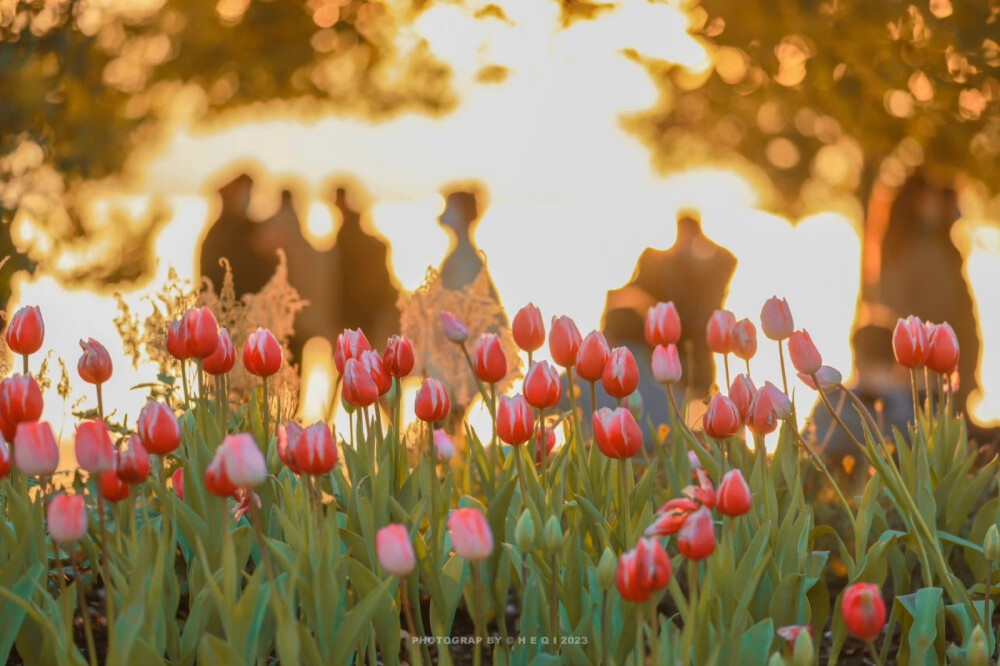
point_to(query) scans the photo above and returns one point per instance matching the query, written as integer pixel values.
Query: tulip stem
(220, 413)
(399, 451)
(266, 413)
(748, 368)
(479, 382)
(554, 604)
(916, 398)
(404, 595)
(494, 445)
(870, 645)
(640, 652)
(593, 398)
(431, 458)
(987, 598)
(477, 588)
(184, 383)
(781, 356)
(689, 628)
(623, 502)
(88, 632)
(520, 474)
(59, 569)
(605, 648)
(26, 370)
(100, 402)
(541, 449)
(725, 361)
(108, 594)
(654, 639)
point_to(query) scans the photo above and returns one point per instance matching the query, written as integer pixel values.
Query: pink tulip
(564, 341)
(67, 518)
(432, 403)
(395, 550)
(666, 364)
(94, 451)
(454, 330)
(470, 534)
(528, 328)
(223, 358)
(776, 319)
(35, 450)
(805, 356)
(621, 373)
(542, 386)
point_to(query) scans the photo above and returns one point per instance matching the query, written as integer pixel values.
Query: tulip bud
(177, 479)
(216, 480)
(94, 451)
(549, 437)
(35, 450)
(991, 545)
(395, 550)
(158, 428)
(359, 388)
(432, 403)
(350, 344)
(515, 422)
(803, 652)
(552, 536)
(26, 331)
(776, 660)
(528, 328)
(444, 445)
(242, 461)
(943, 354)
(5, 461)
(373, 365)
(262, 353)
(454, 330)
(112, 488)
(696, 539)
(666, 364)
(20, 400)
(564, 341)
(722, 419)
(314, 451)
(470, 534)
(524, 532)
(133, 463)
(607, 568)
(618, 435)
(741, 392)
(542, 386)
(635, 405)
(779, 401)
(719, 330)
(288, 439)
(67, 518)
(398, 357)
(223, 358)
(733, 497)
(909, 342)
(863, 610)
(805, 356)
(977, 651)
(828, 378)
(776, 319)
(176, 344)
(762, 419)
(643, 570)
(743, 339)
(790, 633)
(621, 373)
(491, 362)
(94, 365)
(663, 325)
(592, 356)
(201, 332)
(671, 516)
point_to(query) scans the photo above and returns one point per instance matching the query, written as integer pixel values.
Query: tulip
(398, 356)
(314, 452)
(549, 437)
(350, 344)
(94, 365)
(743, 339)
(470, 534)
(177, 479)
(262, 353)
(432, 403)
(528, 328)
(909, 342)
(5, 461)
(216, 480)
(26, 331)
(762, 420)
(704, 492)
(663, 325)
(779, 401)
(733, 495)
(243, 462)
(717, 334)
(696, 539)
(176, 342)
(20, 400)
(94, 451)
(158, 428)
(829, 379)
(201, 332)
(288, 438)
(863, 610)
(67, 518)
(454, 330)
(222, 360)
(133, 463)
(741, 392)
(35, 450)
(943, 354)
(112, 488)
(524, 532)
(671, 516)
(643, 570)
(542, 386)
(245, 500)
(592, 356)
(666, 364)
(722, 418)
(7, 428)
(805, 356)
(791, 632)
(491, 362)
(564, 341)
(618, 435)
(444, 445)
(515, 422)
(359, 389)
(395, 550)
(621, 374)
(776, 319)
(372, 363)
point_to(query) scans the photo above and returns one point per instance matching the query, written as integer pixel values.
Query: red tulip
(223, 358)
(20, 400)
(618, 435)
(863, 610)
(470, 534)
(176, 342)
(666, 364)
(743, 339)
(909, 342)
(359, 388)
(177, 479)
(94, 365)
(663, 325)
(704, 492)
(67, 518)
(395, 550)
(217, 481)
(791, 632)
(243, 462)
(515, 422)
(262, 353)
(776, 319)
(779, 401)
(762, 419)
(805, 356)
(112, 488)
(398, 357)
(372, 363)
(696, 539)
(733, 495)
(722, 418)
(94, 451)
(201, 332)
(444, 445)
(491, 362)
(314, 452)
(671, 516)
(542, 386)
(245, 500)
(741, 392)
(35, 450)
(943, 355)
(133, 463)
(26, 331)
(717, 334)
(350, 344)
(432, 403)
(549, 437)
(564, 341)
(453, 329)
(829, 379)
(5, 461)
(643, 570)
(158, 428)
(621, 374)
(288, 438)
(528, 328)
(592, 356)
(7, 428)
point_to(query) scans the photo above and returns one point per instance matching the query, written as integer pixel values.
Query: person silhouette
(463, 263)
(231, 236)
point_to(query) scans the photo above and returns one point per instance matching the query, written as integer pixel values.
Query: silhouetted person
(463, 263)
(231, 237)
